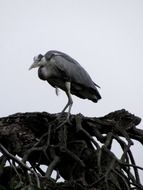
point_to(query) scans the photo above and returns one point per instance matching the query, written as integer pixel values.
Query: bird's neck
(43, 73)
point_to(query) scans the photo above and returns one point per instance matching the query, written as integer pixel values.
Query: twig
(120, 175)
(72, 155)
(52, 166)
(131, 165)
(5, 151)
(122, 143)
(15, 170)
(78, 120)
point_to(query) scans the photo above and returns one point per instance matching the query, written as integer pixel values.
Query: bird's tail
(57, 91)
(96, 85)
(95, 95)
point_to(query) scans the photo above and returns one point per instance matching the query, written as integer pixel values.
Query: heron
(62, 71)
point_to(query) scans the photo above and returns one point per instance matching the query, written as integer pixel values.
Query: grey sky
(105, 37)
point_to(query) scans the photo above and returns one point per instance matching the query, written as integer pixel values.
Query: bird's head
(39, 60)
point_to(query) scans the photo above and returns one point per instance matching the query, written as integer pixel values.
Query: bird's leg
(57, 91)
(70, 101)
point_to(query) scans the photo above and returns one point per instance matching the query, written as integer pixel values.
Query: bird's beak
(34, 65)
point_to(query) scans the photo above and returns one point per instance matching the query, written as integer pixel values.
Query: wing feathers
(72, 71)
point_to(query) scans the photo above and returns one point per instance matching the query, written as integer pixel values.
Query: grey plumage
(62, 71)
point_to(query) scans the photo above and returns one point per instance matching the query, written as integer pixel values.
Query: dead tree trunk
(80, 151)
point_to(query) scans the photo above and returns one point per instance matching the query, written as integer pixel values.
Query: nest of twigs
(79, 150)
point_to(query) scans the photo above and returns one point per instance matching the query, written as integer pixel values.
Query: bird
(62, 71)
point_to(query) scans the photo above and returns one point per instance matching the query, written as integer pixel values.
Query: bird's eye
(39, 57)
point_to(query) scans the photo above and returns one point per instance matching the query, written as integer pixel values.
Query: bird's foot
(63, 118)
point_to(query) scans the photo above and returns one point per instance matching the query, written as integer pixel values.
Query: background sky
(105, 37)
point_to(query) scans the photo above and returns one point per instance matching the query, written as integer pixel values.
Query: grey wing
(52, 53)
(71, 69)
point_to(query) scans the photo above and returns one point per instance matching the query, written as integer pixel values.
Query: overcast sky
(104, 36)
